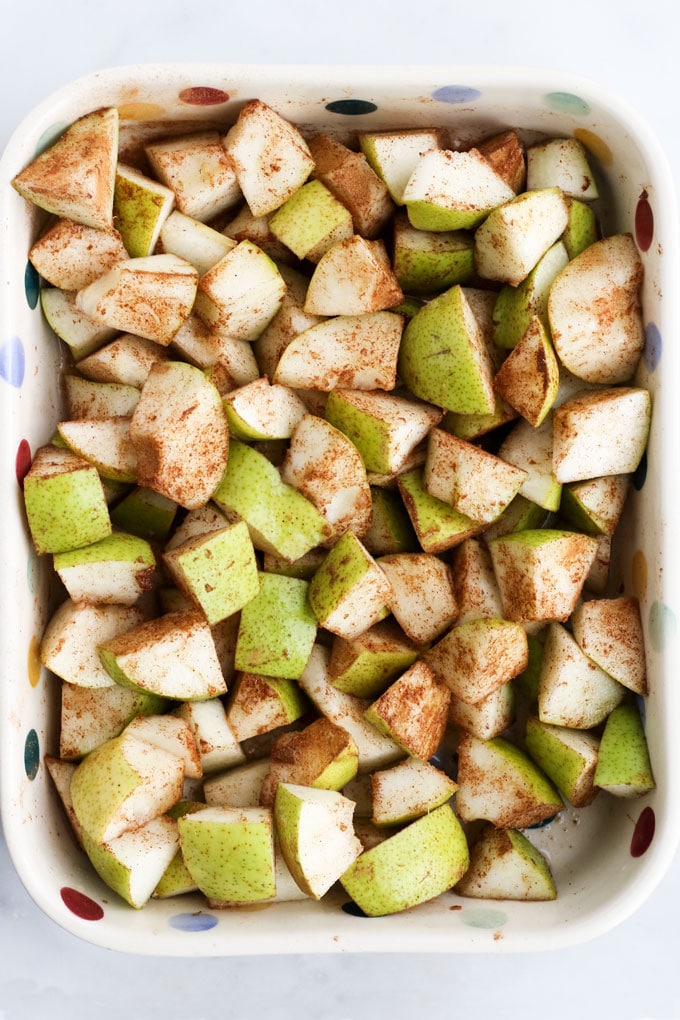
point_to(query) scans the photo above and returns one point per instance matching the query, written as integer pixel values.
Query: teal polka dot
(566, 102)
(31, 285)
(32, 754)
(351, 107)
(662, 625)
(49, 137)
(483, 917)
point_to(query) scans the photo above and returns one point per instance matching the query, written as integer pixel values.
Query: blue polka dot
(32, 285)
(566, 102)
(639, 476)
(652, 355)
(193, 922)
(540, 825)
(483, 917)
(12, 362)
(351, 107)
(32, 754)
(456, 94)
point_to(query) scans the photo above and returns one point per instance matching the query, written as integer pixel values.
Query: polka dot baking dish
(605, 859)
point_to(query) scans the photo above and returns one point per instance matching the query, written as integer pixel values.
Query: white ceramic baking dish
(607, 859)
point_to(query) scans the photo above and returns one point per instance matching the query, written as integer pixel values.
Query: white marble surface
(630, 973)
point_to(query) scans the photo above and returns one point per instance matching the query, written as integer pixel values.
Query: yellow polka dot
(140, 111)
(34, 665)
(595, 145)
(640, 574)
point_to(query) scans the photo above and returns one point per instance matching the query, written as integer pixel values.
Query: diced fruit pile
(348, 434)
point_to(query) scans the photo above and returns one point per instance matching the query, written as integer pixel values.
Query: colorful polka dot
(22, 461)
(32, 754)
(566, 102)
(140, 111)
(640, 574)
(80, 904)
(456, 94)
(595, 145)
(193, 922)
(644, 223)
(483, 917)
(203, 95)
(541, 825)
(12, 362)
(34, 664)
(351, 107)
(49, 137)
(639, 476)
(643, 833)
(662, 625)
(653, 345)
(31, 285)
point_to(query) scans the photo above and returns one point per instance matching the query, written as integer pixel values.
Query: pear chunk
(352, 277)
(623, 765)
(277, 628)
(199, 173)
(514, 237)
(323, 756)
(422, 601)
(476, 483)
(504, 865)
(69, 644)
(413, 711)
(240, 294)
(453, 190)
(71, 256)
(567, 756)
(75, 177)
(349, 592)
(365, 665)
(477, 657)
(407, 791)
(229, 852)
(311, 221)
(528, 379)
(582, 428)
(610, 632)
(133, 863)
(352, 180)
(259, 704)
(572, 690)
(561, 163)
(141, 206)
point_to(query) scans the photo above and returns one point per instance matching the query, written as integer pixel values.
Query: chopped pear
(594, 311)
(116, 569)
(270, 156)
(498, 783)
(127, 360)
(92, 715)
(444, 358)
(98, 400)
(280, 519)
(237, 787)
(561, 163)
(582, 430)
(241, 294)
(81, 335)
(428, 262)
(528, 379)
(61, 773)
(610, 632)
(567, 756)
(172, 734)
(179, 431)
(416, 864)
(349, 592)
(259, 704)
(317, 839)
(504, 865)
(145, 513)
(623, 765)
(326, 467)
(351, 351)
(488, 718)
(277, 628)
(260, 410)
(173, 656)
(105, 443)
(477, 657)
(353, 181)
(391, 530)
(290, 320)
(438, 526)
(572, 690)
(69, 644)
(516, 307)
(311, 221)
(474, 582)
(383, 427)
(133, 863)
(229, 852)
(531, 448)
(413, 711)
(516, 235)
(71, 256)
(475, 483)
(422, 601)
(408, 790)
(581, 230)
(217, 744)
(365, 665)
(323, 755)
(541, 573)
(595, 506)
(394, 155)
(74, 178)
(140, 208)
(353, 277)
(199, 173)
(505, 153)
(453, 190)
(65, 502)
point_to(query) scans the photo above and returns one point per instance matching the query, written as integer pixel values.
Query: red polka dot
(203, 95)
(644, 223)
(81, 905)
(22, 462)
(643, 834)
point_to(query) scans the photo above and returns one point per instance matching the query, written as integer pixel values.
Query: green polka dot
(483, 917)
(566, 102)
(32, 754)
(662, 625)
